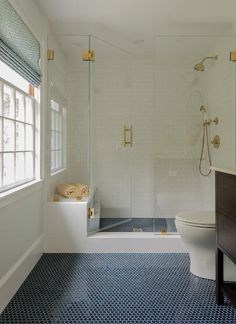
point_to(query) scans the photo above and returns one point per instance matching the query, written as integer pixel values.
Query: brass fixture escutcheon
(215, 120)
(216, 141)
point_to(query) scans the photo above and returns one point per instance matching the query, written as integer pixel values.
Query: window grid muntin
(15, 121)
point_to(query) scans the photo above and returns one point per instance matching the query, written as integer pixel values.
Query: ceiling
(132, 24)
(139, 16)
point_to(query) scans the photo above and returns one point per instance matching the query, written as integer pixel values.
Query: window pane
(1, 170)
(53, 160)
(53, 140)
(20, 107)
(20, 166)
(1, 138)
(54, 105)
(53, 123)
(56, 122)
(29, 111)
(29, 166)
(8, 135)
(8, 102)
(59, 141)
(60, 123)
(8, 168)
(56, 161)
(13, 77)
(59, 159)
(57, 119)
(29, 138)
(1, 97)
(20, 137)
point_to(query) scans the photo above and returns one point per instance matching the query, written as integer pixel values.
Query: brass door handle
(128, 136)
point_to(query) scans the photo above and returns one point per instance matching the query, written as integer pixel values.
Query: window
(57, 136)
(17, 129)
(20, 78)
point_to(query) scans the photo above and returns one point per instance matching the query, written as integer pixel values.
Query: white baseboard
(14, 278)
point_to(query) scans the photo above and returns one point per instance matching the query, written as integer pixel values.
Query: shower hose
(205, 139)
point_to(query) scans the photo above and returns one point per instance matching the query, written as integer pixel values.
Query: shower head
(200, 66)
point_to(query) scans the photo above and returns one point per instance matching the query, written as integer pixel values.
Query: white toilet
(197, 230)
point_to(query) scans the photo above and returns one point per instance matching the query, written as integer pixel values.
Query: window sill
(57, 172)
(12, 195)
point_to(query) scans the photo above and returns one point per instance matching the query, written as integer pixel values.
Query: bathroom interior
(131, 168)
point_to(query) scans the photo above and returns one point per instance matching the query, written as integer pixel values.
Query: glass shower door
(110, 134)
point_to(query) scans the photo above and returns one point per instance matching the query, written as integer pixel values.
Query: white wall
(218, 88)
(21, 225)
(78, 114)
(178, 130)
(21, 222)
(142, 156)
(179, 92)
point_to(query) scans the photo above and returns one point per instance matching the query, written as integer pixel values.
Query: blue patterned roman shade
(19, 49)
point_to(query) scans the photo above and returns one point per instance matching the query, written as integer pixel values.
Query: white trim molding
(13, 279)
(12, 195)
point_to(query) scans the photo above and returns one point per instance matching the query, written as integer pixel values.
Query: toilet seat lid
(199, 218)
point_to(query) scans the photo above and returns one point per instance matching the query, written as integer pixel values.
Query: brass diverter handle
(216, 141)
(128, 136)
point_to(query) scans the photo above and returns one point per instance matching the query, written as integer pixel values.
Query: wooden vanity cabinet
(225, 190)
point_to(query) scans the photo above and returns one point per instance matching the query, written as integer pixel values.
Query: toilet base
(204, 266)
(200, 242)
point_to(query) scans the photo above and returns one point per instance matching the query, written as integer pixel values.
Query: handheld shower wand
(205, 141)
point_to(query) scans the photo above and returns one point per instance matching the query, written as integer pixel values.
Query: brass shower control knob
(216, 141)
(215, 120)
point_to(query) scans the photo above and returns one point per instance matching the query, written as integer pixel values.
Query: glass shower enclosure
(135, 126)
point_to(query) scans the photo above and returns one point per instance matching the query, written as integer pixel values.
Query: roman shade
(19, 49)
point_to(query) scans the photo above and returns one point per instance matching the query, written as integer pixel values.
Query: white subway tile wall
(160, 95)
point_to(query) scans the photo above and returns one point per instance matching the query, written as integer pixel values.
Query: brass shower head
(200, 66)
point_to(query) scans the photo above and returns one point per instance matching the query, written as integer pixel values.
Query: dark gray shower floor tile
(146, 224)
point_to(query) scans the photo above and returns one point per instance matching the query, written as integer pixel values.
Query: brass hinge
(91, 213)
(50, 55)
(89, 55)
(233, 56)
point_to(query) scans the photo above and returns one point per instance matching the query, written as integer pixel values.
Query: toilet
(197, 230)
